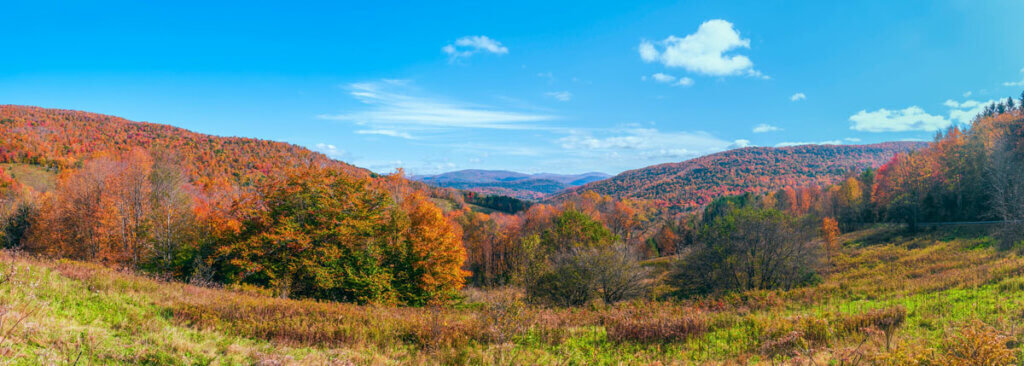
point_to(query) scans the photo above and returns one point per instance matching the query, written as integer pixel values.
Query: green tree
(17, 226)
(318, 234)
(575, 229)
(748, 248)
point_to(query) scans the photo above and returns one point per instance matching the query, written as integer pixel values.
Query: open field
(887, 298)
(34, 176)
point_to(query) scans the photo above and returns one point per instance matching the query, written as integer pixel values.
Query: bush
(978, 344)
(748, 248)
(645, 327)
(580, 275)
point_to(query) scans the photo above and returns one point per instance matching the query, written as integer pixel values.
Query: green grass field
(888, 298)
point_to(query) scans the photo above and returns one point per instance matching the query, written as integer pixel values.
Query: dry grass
(934, 297)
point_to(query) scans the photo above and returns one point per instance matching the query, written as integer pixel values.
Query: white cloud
(830, 142)
(852, 139)
(331, 150)
(967, 93)
(663, 78)
(386, 132)
(469, 45)
(914, 118)
(669, 79)
(703, 52)
(798, 96)
(648, 53)
(562, 96)
(648, 143)
(909, 119)
(964, 112)
(764, 127)
(391, 106)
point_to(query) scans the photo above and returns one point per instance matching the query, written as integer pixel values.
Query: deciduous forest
(807, 254)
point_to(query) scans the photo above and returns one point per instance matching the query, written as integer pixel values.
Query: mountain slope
(513, 184)
(63, 138)
(695, 182)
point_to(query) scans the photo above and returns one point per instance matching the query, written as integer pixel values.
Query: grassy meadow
(941, 297)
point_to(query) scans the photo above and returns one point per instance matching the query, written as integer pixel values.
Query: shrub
(748, 248)
(504, 319)
(662, 328)
(886, 321)
(977, 343)
(579, 275)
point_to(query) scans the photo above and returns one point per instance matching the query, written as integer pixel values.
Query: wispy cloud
(647, 143)
(562, 96)
(798, 96)
(469, 45)
(829, 142)
(392, 107)
(703, 52)
(764, 127)
(392, 133)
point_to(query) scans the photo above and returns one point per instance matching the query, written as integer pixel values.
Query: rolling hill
(695, 182)
(58, 138)
(507, 183)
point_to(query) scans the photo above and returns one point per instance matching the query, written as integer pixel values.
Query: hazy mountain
(509, 183)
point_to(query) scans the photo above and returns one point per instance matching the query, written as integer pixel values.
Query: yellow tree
(830, 233)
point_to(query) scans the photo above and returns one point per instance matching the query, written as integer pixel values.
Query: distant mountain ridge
(697, 181)
(509, 183)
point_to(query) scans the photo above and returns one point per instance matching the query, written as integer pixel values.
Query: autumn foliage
(693, 183)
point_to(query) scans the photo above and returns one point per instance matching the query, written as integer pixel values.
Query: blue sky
(533, 86)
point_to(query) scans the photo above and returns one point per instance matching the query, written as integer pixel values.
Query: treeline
(504, 204)
(313, 231)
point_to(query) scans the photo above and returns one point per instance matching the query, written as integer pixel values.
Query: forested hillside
(64, 138)
(696, 182)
